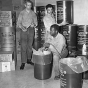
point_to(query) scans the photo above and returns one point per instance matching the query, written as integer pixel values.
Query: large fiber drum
(82, 39)
(70, 33)
(82, 44)
(69, 78)
(64, 11)
(7, 38)
(42, 72)
(42, 66)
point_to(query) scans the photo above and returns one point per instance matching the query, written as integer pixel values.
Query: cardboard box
(5, 22)
(6, 57)
(7, 66)
(4, 66)
(5, 14)
(12, 65)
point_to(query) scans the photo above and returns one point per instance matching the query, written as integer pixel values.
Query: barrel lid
(82, 25)
(72, 25)
(65, 0)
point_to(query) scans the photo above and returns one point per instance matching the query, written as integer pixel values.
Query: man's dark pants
(26, 44)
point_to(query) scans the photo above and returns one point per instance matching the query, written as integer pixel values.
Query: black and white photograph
(43, 43)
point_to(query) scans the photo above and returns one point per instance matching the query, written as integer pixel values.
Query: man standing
(48, 20)
(27, 21)
(57, 45)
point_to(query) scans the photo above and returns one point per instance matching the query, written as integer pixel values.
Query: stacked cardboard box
(7, 62)
(7, 41)
(7, 18)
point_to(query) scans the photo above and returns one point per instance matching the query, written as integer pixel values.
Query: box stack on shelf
(5, 18)
(7, 41)
(7, 62)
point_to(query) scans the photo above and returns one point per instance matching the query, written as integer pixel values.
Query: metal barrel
(7, 41)
(64, 11)
(70, 33)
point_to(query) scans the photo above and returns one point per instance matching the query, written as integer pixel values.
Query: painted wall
(80, 10)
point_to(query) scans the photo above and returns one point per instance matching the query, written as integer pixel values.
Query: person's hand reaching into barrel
(46, 45)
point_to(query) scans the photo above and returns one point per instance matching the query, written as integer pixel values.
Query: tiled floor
(25, 79)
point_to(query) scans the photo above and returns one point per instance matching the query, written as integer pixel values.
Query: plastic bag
(41, 57)
(78, 64)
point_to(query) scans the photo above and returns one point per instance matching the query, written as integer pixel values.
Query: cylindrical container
(8, 39)
(64, 11)
(68, 78)
(70, 33)
(82, 44)
(42, 66)
(82, 40)
(42, 71)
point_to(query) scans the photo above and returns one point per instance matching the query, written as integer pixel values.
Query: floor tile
(25, 79)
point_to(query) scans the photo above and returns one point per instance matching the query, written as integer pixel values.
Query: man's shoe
(22, 66)
(57, 77)
(29, 62)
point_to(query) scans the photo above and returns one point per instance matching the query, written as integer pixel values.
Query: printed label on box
(5, 66)
(5, 14)
(6, 57)
(5, 22)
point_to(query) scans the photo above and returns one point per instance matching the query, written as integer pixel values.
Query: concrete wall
(80, 10)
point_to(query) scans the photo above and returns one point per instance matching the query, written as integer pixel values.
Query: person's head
(54, 29)
(28, 4)
(49, 8)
